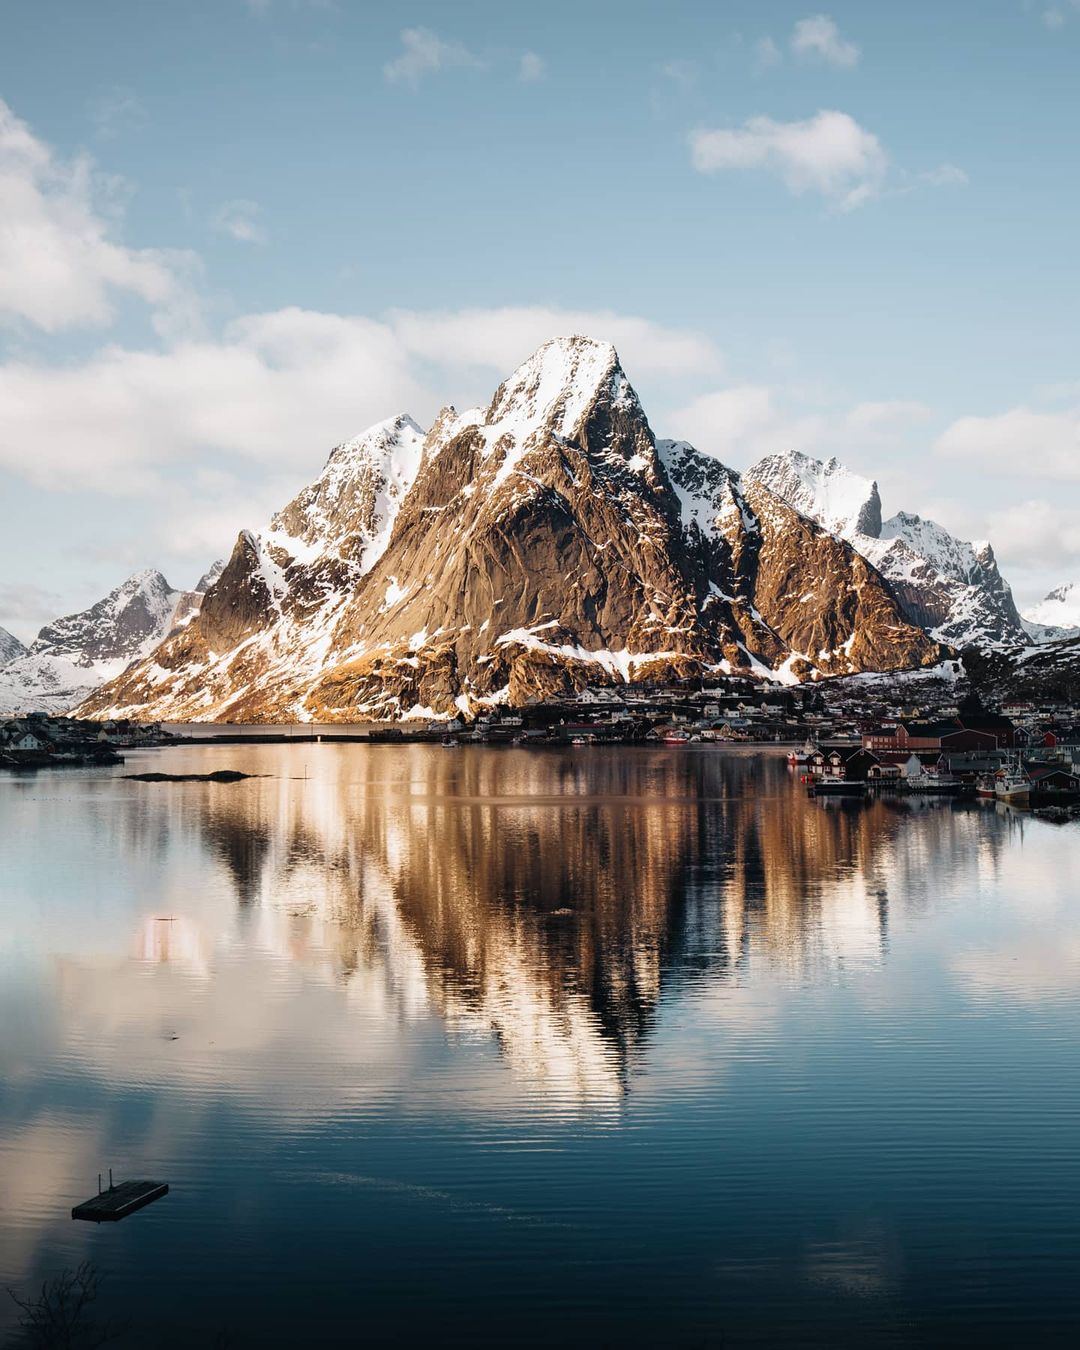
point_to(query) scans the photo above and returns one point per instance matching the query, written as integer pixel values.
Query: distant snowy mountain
(1055, 616)
(950, 587)
(10, 647)
(73, 655)
(209, 577)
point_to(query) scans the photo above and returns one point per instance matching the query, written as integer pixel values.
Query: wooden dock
(120, 1200)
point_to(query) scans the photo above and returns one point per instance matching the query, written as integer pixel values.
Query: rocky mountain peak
(542, 543)
(826, 491)
(354, 499)
(119, 626)
(10, 647)
(946, 585)
(556, 386)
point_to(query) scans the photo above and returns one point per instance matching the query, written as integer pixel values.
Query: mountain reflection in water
(484, 954)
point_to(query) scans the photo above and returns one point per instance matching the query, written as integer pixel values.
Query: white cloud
(498, 339)
(26, 608)
(1021, 440)
(829, 153)
(818, 38)
(1038, 534)
(767, 55)
(239, 219)
(531, 68)
(884, 420)
(423, 53)
(60, 264)
(278, 389)
(740, 424)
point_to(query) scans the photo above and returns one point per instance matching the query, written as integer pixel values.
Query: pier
(120, 1200)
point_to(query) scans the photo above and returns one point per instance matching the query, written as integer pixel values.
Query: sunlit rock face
(948, 586)
(516, 552)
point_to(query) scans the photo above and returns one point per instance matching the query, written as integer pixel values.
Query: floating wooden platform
(120, 1200)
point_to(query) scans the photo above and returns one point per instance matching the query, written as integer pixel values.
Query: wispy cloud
(818, 39)
(424, 53)
(829, 153)
(531, 68)
(114, 109)
(239, 219)
(767, 54)
(1022, 440)
(945, 175)
(1056, 16)
(681, 73)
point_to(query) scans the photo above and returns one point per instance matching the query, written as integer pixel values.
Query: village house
(895, 743)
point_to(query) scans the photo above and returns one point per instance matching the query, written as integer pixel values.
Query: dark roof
(939, 728)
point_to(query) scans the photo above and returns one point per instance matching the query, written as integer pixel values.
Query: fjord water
(498, 1046)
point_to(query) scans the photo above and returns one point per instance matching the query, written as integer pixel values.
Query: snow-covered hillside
(10, 647)
(73, 655)
(948, 586)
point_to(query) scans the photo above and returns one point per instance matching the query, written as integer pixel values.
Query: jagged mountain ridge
(71, 656)
(10, 647)
(950, 587)
(1056, 616)
(517, 551)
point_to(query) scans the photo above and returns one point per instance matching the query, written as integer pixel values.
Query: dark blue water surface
(483, 1046)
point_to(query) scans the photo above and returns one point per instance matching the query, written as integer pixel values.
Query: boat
(1013, 786)
(449, 742)
(676, 737)
(797, 758)
(986, 786)
(838, 787)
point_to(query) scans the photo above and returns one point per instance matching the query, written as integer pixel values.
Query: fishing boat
(838, 787)
(797, 758)
(676, 737)
(1013, 786)
(986, 786)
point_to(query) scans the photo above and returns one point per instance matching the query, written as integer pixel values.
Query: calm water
(479, 1046)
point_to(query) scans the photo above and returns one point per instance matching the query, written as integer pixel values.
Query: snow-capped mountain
(519, 550)
(950, 587)
(10, 647)
(73, 655)
(1057, 615)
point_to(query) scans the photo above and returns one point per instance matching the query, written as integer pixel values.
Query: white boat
(796, 758)
(1013, 786)
(837, 787)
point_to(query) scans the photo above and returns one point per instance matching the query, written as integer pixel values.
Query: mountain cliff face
(951, 588)
(72, 656)
(10, 647)
(517, 551)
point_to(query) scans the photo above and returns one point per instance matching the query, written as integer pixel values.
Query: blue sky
(234, 233)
